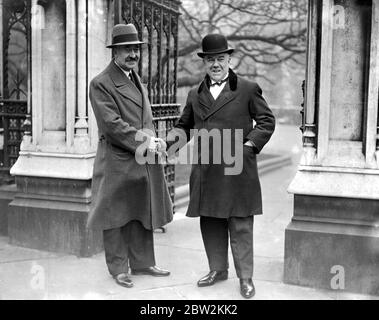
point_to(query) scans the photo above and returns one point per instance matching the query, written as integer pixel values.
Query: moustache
(131, 59)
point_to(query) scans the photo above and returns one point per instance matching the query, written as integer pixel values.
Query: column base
(51, 214)
(330, 232)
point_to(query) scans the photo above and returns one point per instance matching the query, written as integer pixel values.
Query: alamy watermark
(337, 282)
(339, 17)
(216, 147)
(38, 280)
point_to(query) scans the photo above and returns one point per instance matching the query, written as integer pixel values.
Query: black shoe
(123, 280)
(212, 277)
(247, 288)
(151, 271)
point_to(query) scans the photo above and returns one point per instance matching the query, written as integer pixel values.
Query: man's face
(127, 56)
(217, 66)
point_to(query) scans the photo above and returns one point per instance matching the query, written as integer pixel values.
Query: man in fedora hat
(129, 199)
(225, 202)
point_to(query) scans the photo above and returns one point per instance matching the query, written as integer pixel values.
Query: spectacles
(212, 60)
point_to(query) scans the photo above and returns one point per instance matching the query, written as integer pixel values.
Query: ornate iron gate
(15, 86)
(157, 24)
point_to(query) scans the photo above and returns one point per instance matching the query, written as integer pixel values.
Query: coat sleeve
(181, 133)
(264, 118)
(116, 130)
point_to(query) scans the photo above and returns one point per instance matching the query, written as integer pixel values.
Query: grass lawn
(182, 171)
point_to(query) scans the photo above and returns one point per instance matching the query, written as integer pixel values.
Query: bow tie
(219, 83)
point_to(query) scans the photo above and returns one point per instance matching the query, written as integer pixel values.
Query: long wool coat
(212, 192)
(122, 189)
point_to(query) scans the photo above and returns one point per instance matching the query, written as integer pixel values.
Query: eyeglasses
(212, 60)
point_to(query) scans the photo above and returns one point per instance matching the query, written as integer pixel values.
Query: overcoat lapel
(124, 86)
(147, 114)
(205, 100)
(223, 99)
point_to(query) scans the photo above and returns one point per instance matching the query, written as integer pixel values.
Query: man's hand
(152, 145)
(161, 145)
(158, 146)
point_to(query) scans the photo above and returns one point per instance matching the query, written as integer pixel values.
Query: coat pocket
(119, 153)
(248, 149)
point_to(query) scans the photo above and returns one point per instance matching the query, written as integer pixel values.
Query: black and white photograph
(211, 153)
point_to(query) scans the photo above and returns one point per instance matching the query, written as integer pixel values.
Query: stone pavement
(32, 274)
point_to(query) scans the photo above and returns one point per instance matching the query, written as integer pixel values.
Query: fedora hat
(124, 34)
(214, 44)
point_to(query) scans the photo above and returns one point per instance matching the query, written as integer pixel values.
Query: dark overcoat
(122, 189)
(240, 105)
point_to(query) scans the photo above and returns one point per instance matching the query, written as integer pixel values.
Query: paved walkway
(32, 274)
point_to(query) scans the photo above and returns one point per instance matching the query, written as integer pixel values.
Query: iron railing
(157, 24)
(15, 91)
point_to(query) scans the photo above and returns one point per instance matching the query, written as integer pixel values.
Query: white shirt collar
(216, 90)
(127, 73)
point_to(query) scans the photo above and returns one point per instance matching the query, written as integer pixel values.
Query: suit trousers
(216, 233)
(129, 246)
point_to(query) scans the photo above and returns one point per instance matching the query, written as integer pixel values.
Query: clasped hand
(158, 146)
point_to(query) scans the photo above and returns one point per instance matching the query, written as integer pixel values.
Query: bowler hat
(124, 34)
(214, 44)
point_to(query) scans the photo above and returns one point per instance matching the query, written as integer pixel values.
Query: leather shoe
(123, 280)
(151, 271)
(212, 277)
(247, 288)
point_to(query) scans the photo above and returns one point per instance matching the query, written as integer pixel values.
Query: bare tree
(263, 32)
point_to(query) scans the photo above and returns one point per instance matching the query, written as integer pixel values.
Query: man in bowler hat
(226, 204)
(129, 199)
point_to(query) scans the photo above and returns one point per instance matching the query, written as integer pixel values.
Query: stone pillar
(54, 169)
(333, 239)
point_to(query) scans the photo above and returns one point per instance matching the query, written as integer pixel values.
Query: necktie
(131, 77)
(219, 83)
(134, 82)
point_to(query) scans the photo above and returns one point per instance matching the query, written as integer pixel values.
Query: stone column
(54, 169)
(333, 239)
(99, 36)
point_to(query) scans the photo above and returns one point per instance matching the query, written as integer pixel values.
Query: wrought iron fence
(165, 116)
(15, 85)
(157, 24)
(13, 114)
